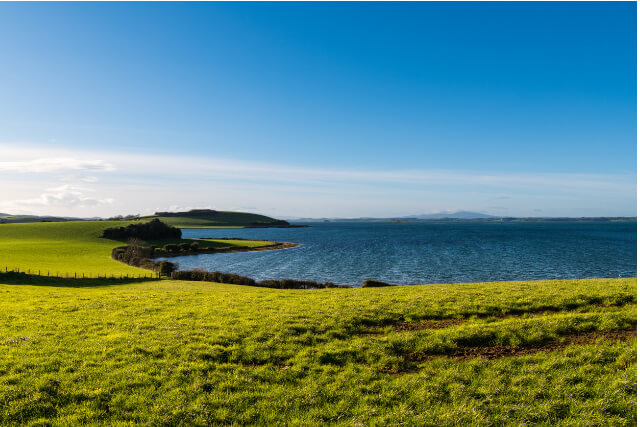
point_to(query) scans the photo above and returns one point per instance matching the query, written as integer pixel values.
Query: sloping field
(205, 218)
(169, 353)
(59, 248)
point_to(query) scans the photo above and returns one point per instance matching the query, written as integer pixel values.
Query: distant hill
(197, 218)
(462, 215)
(453, 215)
(12, 219)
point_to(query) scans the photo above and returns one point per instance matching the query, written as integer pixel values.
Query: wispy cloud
(78, 178)
(144, 182)
(66, 196)
(55, 164)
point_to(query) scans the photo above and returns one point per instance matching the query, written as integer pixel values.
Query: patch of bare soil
(427, 324)
(494, 352)
(445, 323)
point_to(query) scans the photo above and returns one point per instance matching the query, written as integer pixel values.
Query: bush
(236, 279)
(166, 268)
(185, 247)
(171, 248)
(154, 229)
(370, 283)
(213, 276)
(118, 253)
(295, 284)
(194, 246)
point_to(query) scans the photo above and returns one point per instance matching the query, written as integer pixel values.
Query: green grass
(184, 222)
(215, 219)
(10, 219)
(59, 248)
(168, 352)
(217, 243)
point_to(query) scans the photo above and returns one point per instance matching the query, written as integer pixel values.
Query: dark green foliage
(154, 229)
(370, 283)
(194, 246)
(171, 248)
(139, 256)
(166, 268)
(213, 276)
(235, 279)
(295, 284)
(185, 247)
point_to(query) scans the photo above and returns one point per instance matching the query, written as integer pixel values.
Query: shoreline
(230, 249)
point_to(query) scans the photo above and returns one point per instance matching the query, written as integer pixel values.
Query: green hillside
(207, 218)
(170, 353)
(15, 219)
(75, 247)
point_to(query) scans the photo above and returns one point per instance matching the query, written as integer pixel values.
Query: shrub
(185, 247)
(171, 248)
(236, 279)
(166, 268)
(154, 229)
(194, 246)
(370, 283)
(295, 284)
(213, 276)
(118, 253)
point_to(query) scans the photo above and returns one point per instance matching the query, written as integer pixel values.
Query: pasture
(167, 352)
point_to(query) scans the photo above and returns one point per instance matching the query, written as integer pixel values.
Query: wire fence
(81, 275)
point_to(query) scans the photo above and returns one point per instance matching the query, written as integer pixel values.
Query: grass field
(74, 247)
(167, 353)
(8, 219)
(214, 219)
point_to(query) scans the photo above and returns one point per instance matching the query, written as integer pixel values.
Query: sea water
(412, 253)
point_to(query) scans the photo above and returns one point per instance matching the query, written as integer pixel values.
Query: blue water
(348, 253)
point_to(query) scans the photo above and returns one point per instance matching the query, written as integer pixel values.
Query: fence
(75, 275)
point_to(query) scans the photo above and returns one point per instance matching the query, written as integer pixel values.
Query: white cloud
(66, 196)
(148, 183)
(78, 178)
(53, 164)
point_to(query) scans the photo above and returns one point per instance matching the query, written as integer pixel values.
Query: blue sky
(319, 109)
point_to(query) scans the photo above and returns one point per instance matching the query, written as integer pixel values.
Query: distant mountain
(4, 214)
(453, 215)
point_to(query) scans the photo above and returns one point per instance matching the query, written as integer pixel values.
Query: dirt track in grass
(494, 352)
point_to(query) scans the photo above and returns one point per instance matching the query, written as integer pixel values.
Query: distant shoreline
(505, 220)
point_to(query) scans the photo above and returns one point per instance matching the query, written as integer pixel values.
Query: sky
(318, 109)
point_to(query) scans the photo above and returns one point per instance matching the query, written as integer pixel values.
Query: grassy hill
(168, 353)
(207, 218)
(75, 247)
(15, 219)
(196, 218)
